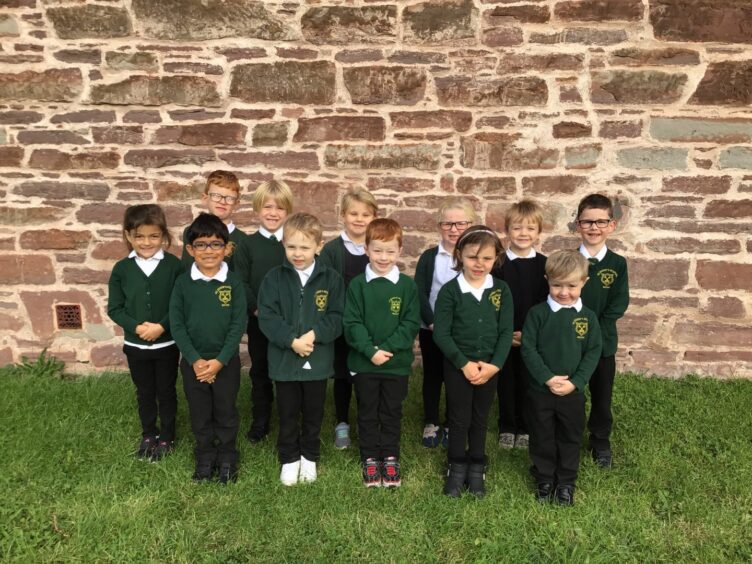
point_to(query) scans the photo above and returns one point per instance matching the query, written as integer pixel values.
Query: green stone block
(653, 158)
(736, 157)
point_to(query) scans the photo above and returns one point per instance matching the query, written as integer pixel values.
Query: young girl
(139, 298)
(473, 329)
(347, 255)
(435, 268)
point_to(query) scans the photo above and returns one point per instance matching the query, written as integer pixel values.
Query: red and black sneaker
(372, 473)
(146, 448)
(390, 472)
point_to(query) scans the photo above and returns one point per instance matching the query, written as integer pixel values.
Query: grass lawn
(73, 491)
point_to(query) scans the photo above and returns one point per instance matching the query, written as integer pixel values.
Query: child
(208, 316)
(221, 197)
(607, 294)
(473, 329)
(561, 345)
(434, 269)
(257, 255)
(139, 300)
(300, 312)
(524, 271)
(347, 255)
(382, 317)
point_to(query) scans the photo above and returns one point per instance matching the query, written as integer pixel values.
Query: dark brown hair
(477, 235)
(145, 214)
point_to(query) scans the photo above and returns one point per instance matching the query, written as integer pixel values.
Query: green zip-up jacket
(254, 258)
(567, 342)
(134, 297)
(423, 279)
(287, 310)
(236, 237)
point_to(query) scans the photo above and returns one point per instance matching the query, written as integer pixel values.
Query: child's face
(356, 218)
(208, 252)
(566, 291)
(523, 234)
(272, 215)
(594, 235)
(452, 224)
(300, 249)
(383, 255)
(146, 240)
(221, 202)
(477, 262)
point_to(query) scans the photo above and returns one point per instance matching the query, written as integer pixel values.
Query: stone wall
(118, 102)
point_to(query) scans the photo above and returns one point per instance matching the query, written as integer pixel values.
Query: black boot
(455, 480)
(476, 479)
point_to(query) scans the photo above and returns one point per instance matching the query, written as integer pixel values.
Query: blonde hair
(305, 223)
(273, 190)
(458, 203)
(360, 195)
(524, 209)
(222, 179)
(562, 264)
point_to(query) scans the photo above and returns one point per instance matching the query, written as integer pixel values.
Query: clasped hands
(207, 370)
(303, 345)
(148, 331)
(560, 385)
(478, 373)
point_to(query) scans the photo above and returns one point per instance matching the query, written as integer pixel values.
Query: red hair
(383, 229)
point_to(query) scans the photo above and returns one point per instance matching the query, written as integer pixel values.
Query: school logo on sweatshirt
(224, 294)
(395, 304)
(495, 299)
(321, 297)
(607, 277)
(580, 326)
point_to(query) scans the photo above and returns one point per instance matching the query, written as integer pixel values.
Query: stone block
(202, 134)
(571, 130)
(84, 116)
(195, 114)
(712, 334)
(439, 21)
(346, 25)
(111, 250)
(728, 209)
(385, 85)
(653, 158)
(584, 35)
(79, 56)
(157, 91)
(726, 306)
(159, 158)
(297, 53)
(678, 245)
(502, 37)
(728, 83)
(340, 128)
(736, 157)
(82, 275)
(433, 119)
(54, 239)
(107, 357)
(399, 184)
(582, 156)
(285, 160)
(52, 159)
(52, 85)
(298, 82)
(51, 137)
(658, 274)
(637, 87)
(8, 26)
(40, 309)
(697, 184)
(513, 91)
(18, 216)
(615, 129)
(527, 13)
(317, 198)
(239, 113)
(499, 151)
(26, 269)
(519, 63)
(14, 117)
(599, 10)
(106, 213)
(417, 58)
(89, 21)
(723, 21)
(699, 130)
(359, 55)
(418, 156)
(415, 220)
(11, 156)
(636, 57)
(552, 185)
(193, 68)
(270, 134)
(142, 116)
(57, 190)
(118, 135)
(141, 61)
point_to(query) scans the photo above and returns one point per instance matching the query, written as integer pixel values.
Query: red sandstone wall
(107, 104)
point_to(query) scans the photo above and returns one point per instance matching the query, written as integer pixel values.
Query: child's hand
(141, 331)
(309, 337)
(212, 368)
(301, 347)
(380, 357)
(200, 367)
(487, 371)
(565, 388)
(560, 385)
(517, 338)
(151, 331)
(471, 371)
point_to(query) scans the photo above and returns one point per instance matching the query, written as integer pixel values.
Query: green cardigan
(423, 279)
(255, 256)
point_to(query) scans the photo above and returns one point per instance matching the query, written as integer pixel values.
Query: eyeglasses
(216, 198)
(459, 225)
(213, 245)
(588, 223)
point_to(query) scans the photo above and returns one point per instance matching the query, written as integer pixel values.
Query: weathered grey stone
(701, 130)
(421, 157)
(345, 25)
(599, 10)
(53, 85)
(89, 20)
(51, 137)
(8, 26)
(132, 61)
(158, 158)
(499, 151)
(156, 91)
(514, 91)
(339, 128)
(287, 81)
(632, 56)
(440, 21)
(725, 21)
(54, 190)
(587, 36)
(582, 157)
(196, 20)
(637, 87)
(728, 83)
(385, 85)
(272, 134)
(736, 157)
(84, 56)
(518, 63)
(653, 158)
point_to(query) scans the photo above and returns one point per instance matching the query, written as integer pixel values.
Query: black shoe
(228, 472)
(602, 458)
(544, 491)
(455, 479)
(257, 434)
(565, 494)
(476, 480)
(162, 449)
(204, 471)
(146, 448)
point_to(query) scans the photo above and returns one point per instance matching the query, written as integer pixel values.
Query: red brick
(55, 239)
(658, 274)
(718, 275)
(26, 269)
(340, 128)
(725, 307)
(52, 159)
(698, 184)
(728, 208)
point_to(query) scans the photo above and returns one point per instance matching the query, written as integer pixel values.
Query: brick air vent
(68, 316)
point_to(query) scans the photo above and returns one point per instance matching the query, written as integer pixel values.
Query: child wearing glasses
(208, 319)
(436, 267)
(221, 197)
(607, 294)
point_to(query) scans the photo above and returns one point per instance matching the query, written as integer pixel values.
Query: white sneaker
(290, 473)
(307, 470)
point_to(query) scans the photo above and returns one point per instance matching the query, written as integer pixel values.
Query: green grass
(72, 490)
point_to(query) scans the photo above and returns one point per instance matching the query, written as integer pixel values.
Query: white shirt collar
(443, 251)
(220, 276)
(305, 274)
(512, 256)
(392, 275)
(353, 248)
(230, 227)
(159, 255)
(465, 286)
(278, 233)
(556, 306)
(599, 256)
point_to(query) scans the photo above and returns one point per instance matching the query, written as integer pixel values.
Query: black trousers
(343, 384)
(262, 390)
(214, 415)
(556, 427)
(296, 402)
(433, 376)
(512, 388)
(380, 398)
(154, 373)
(469, 406)
(601, 387)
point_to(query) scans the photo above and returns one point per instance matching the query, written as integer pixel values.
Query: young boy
(607, 294)
(382, 318)
(257, 255)
(221, 197)
(300, 312)
(347, 255)
(207, 320)
(524, 271)
(561, 345)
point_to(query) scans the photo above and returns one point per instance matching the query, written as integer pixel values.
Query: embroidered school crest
(580, 326)
(320, 299)
(224, 294)
(495, 299)
(607, 277)
(230, 247)
(395, 304)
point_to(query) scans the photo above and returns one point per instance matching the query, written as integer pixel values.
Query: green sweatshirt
(333, 254)
(134, 297)
(255, 256)
(466, 329)
(381, 315)
(287, 310)
(565, 343)
(235, 239)
(423, 279)
(208, 319)
(607, 293)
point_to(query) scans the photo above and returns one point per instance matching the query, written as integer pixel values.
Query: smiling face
(146, 240)
(300, 249)
(356, 218)
(523, 234)
(593, 236)
(221, 202)
(566, 291)
(449, 236)
(477, 263)
(208, 260)
(272, 215)
(383, 255)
